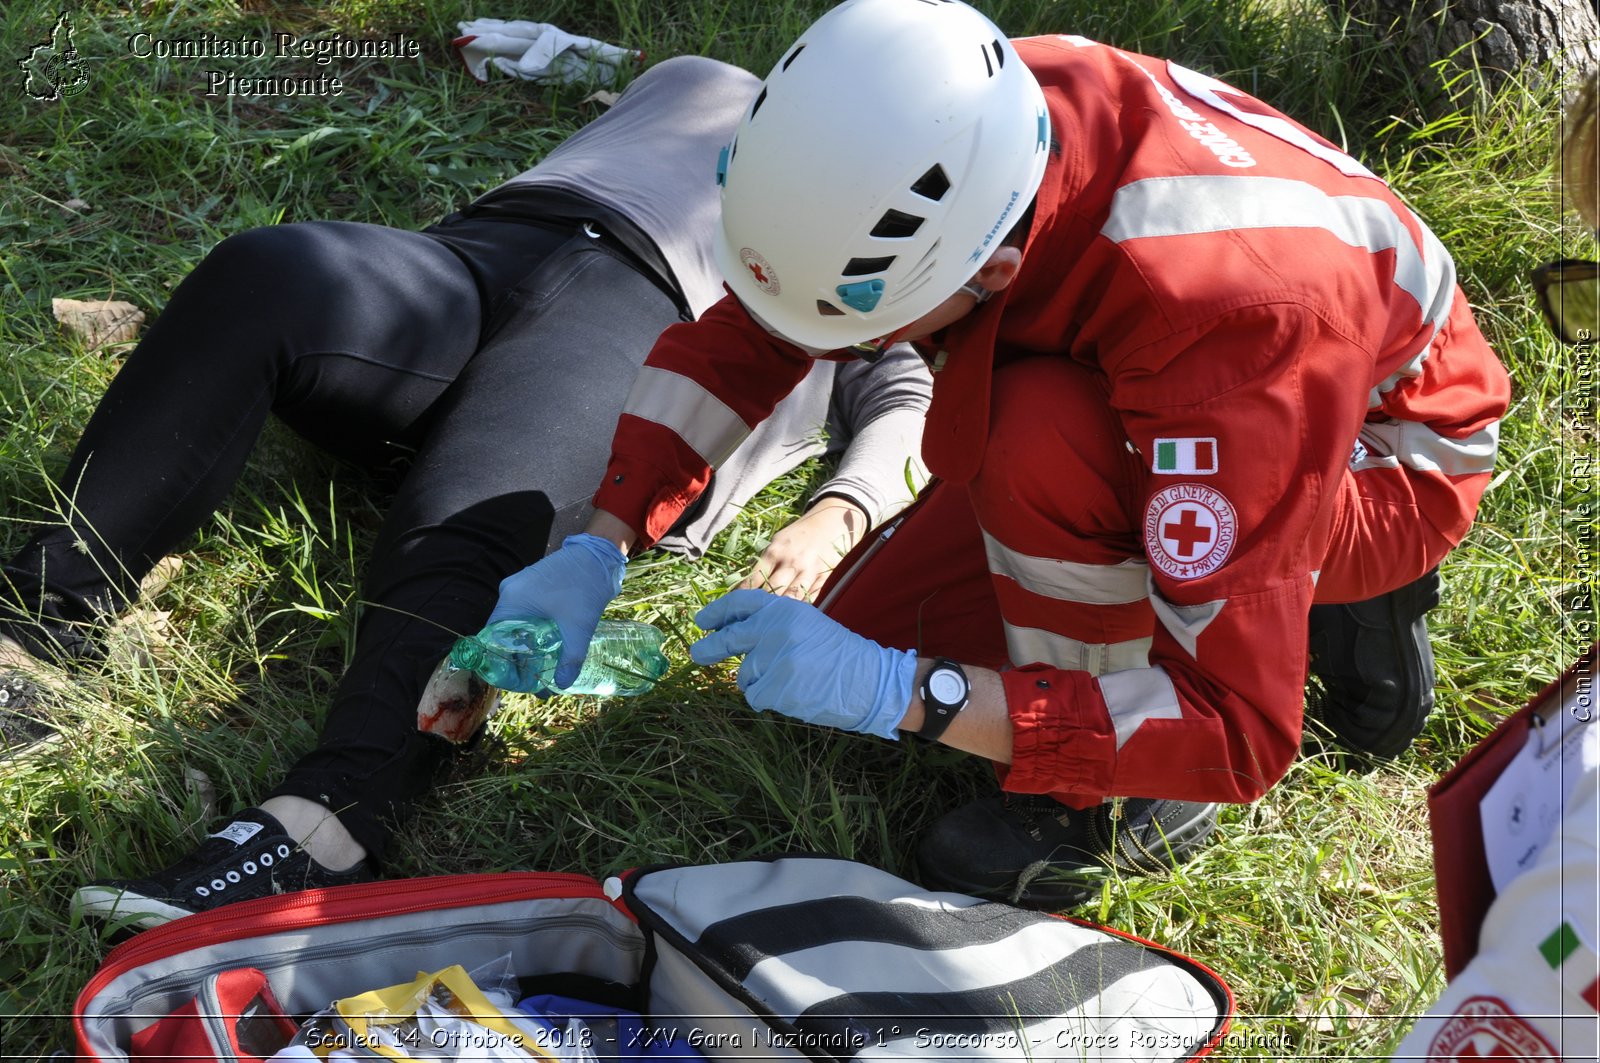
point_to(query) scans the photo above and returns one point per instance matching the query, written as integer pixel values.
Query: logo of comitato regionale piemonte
(761, 270)
(54, 69)
(1189, 530)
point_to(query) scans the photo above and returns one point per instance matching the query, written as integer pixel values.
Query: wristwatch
(944, 693)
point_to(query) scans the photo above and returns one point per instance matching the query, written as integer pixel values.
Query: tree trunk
(1496, 37)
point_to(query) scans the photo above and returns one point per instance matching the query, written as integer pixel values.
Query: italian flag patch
(1574, 962)
(1189, 456)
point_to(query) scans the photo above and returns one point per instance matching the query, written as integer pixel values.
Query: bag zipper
(341, 904)
(502, 927)
(211, 1020)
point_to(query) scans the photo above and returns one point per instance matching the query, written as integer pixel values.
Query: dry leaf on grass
(98, 322)
(140, 638)
(602, 98)
(161, 573)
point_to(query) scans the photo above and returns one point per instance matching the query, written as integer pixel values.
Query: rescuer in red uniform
(1209, 407)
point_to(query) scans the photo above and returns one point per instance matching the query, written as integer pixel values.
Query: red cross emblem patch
(1189, 530)
(761, 270)
(1484, 1028)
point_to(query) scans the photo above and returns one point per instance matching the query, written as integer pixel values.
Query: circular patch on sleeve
(1484, 1028)
(765, 277)
(1189, 530)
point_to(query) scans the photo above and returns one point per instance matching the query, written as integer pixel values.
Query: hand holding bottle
(624, 658)
(572, 586)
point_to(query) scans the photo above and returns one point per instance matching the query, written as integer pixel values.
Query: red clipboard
(1460, 868)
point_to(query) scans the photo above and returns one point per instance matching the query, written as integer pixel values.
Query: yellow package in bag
(438, 1017)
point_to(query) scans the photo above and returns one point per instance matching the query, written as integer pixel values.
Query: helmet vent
(933, 184)
(998, 62)
(896, 225)
(793, 56)
(859, 267)
(827, 309)
(754, 107)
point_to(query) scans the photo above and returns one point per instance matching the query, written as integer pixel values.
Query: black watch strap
(944, 691)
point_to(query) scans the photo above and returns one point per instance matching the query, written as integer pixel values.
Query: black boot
(1375, 666)
(1029, 850)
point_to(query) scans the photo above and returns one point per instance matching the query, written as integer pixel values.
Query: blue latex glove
(804, 664)
(571, 586)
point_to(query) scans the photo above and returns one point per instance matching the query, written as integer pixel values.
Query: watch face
(946, 686)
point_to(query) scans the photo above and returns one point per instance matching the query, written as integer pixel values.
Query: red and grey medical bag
(791, 957)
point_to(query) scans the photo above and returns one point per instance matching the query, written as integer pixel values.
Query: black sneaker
(58, 641)
(1374, 666)
(1029, 850)
(251, 857)
(24, 723)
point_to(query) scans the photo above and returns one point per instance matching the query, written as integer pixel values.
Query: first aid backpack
(786, 957)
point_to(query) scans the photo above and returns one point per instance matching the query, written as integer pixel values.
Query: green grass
(1316, 904)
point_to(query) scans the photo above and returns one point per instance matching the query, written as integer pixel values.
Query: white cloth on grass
(537, 51)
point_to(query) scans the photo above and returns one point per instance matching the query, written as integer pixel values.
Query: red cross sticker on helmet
(1189, 531)
(766, 277)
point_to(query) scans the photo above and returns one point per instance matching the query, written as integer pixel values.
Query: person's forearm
(882, 465)
(613, 529)
(983, 727)
(851, 519)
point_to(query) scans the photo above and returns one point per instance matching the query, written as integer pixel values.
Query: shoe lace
(1034, 809)
(226, 876)
(1117, 829)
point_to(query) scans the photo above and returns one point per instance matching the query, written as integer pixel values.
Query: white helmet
(887, 155)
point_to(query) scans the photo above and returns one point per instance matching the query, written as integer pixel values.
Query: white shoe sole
(118, 905)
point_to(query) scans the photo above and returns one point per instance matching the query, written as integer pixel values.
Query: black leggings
(498, 351)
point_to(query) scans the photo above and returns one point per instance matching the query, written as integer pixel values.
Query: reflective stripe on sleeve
(1137, 695)
(699, 418)
(1188, 205)
(1069, 581)
(1185, 622)
(1433, 251)
(1032, 645)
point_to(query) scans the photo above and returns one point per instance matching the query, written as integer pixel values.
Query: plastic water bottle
(624, 658)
